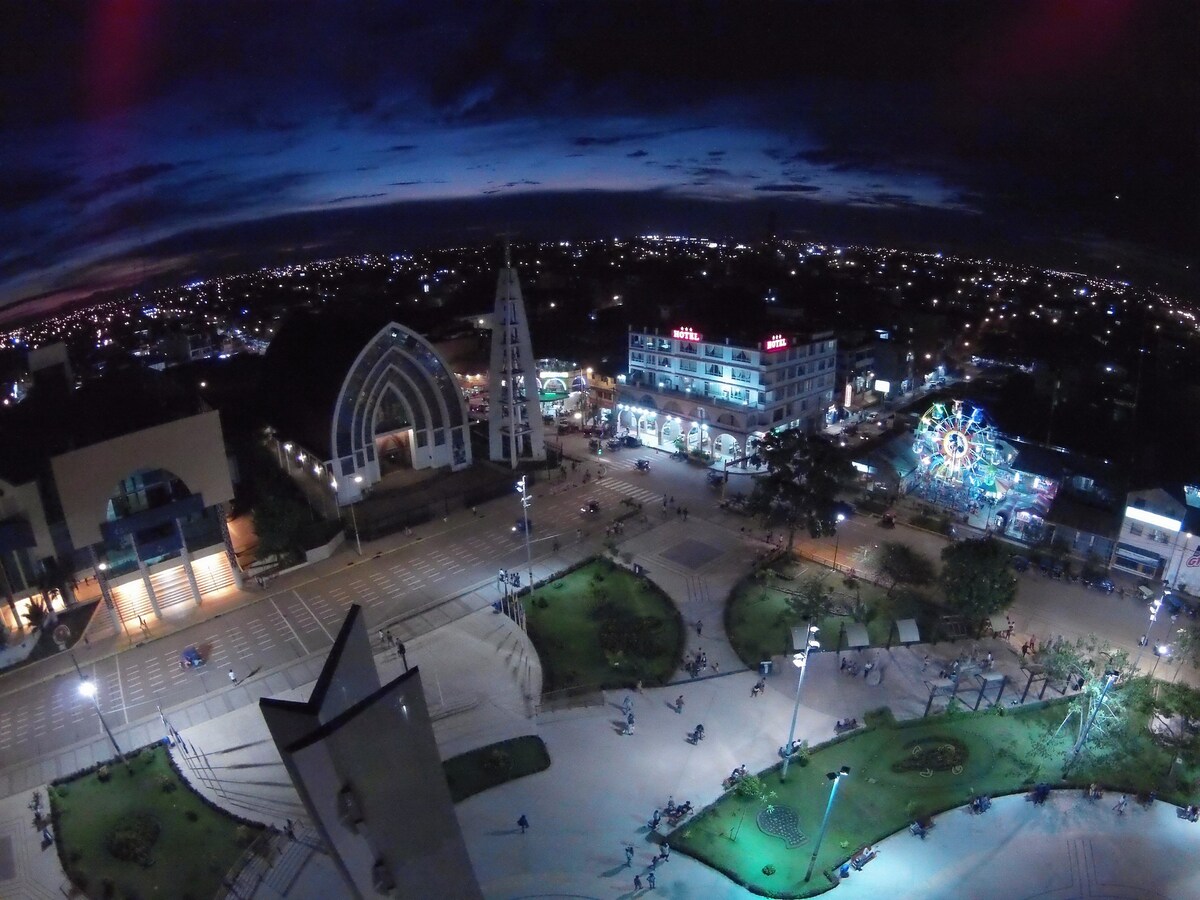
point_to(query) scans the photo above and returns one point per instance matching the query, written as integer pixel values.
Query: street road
(436, 564)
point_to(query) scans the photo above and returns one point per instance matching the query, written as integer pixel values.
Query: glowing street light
(836, 778)
(87, 688)
(804, 643)
(526, 500)
(837, 537)
(354, 519)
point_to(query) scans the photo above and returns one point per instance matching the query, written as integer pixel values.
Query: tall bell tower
(515, 419)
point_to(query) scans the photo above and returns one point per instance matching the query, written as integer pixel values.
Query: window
(635, 340)
(664, 362)
(712, 370)
(739, 375)
(687, 347)
(687, 365)
(1135, 528)
(637, 357)
(714, 352)
(741, 356)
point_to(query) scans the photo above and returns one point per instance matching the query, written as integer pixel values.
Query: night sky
(146, 139)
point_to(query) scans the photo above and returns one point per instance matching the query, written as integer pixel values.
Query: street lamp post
(803, 643)
(526, 500)
(836, 778)
(354, 518)
(837, 537)
(1110, 678)
(88, 688)
(1154, 608)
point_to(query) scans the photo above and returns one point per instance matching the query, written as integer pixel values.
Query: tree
(976, 577)
(802, 481)
(809, 602)
(279, 523)
(904, 565)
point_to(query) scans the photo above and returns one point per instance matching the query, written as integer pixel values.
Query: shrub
(497, 760)
(134, 838)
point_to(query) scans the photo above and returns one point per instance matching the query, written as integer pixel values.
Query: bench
(863, 856)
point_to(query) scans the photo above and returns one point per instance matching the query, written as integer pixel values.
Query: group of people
(697, 734)
(845, 725)
(737, 775)
(851, 668)
(981, 804)
(697, 664)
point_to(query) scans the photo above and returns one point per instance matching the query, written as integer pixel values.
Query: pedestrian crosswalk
(636, 493)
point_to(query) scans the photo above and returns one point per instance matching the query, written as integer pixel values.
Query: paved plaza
(483, 682)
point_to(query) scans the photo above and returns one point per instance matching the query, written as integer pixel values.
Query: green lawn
(486, 767)
(601, 626)
(1004, 753)
(759, 621)
(195, 847)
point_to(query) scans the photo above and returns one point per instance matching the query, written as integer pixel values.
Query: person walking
(665, 853)
(628, 855)
(1121, 804)
(699, 628)
(523, 823)
(650, 880)
(654, 820)
(637, 882)
(679, 704)
(232, 677)
(627, 705)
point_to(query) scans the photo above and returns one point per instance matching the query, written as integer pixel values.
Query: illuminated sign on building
(881, 386)
(686, 334)
(775, 342)
(1141, 515)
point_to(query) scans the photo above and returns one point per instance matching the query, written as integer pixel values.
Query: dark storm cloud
(25, 187)
(788, 188)
(349, 197)
(637, 154)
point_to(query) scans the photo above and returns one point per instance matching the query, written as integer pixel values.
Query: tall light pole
(1110, 678)
(526, 500)
(354, 518)
(87, 687)
(803, 643)
(837, 537)
(1154, 608)
(836, 778)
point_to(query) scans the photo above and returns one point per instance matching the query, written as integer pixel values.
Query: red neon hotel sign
(686, 334)
(775, 342)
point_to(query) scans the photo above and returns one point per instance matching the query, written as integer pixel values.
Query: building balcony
(698, 396)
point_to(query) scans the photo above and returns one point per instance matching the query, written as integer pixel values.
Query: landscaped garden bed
(145, 834)
(900, 773)
(486, 767)
(760, 615)
(601, 626)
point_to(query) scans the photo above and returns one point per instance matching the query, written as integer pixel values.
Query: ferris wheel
(957, 445)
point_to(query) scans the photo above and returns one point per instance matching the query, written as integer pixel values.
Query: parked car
(643, 464)
(715, 478)
(631, 440)
(613, 444)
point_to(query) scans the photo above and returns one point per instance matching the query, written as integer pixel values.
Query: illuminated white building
(1160, 537)
(712, 396)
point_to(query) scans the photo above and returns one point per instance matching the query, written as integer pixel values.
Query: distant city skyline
(147, 140)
